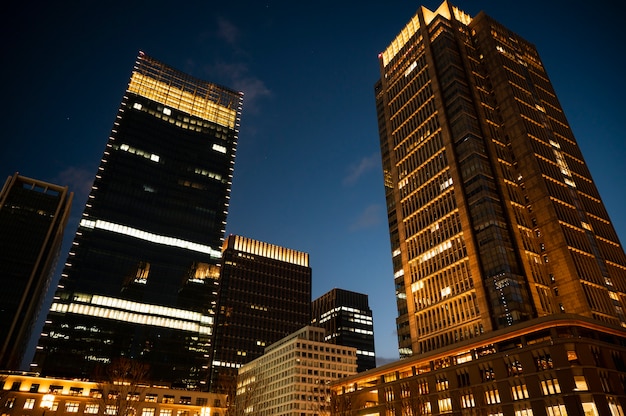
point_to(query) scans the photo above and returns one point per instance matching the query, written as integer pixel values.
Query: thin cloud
(227, 31)
(356, 171)
(239, 78)
(78, 180)
(370, 217)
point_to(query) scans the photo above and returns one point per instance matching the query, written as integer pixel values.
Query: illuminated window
(614, 406)
(524, 412)
(492, 396)
(581, 383)
(467, 401)
(152, 398)
(519, 392)
(111, 409)
(589, 408)
(167, 111)
(165, 412)
(219, 148)
(91, 409)
(445, 405)
(556, 410)
(137, 106)
(148, 411)
(168, 399)
(71, 407)
(29, 404)
(550, 387)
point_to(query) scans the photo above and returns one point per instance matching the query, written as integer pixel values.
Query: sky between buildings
(308, 172)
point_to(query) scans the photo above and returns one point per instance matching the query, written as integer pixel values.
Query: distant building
(265, 294)
(292, 378)
(33, 216)
(347, 319)
(33, 395)
(510, 278)
(141, 279)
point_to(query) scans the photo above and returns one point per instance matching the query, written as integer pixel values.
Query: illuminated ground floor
(552, 367)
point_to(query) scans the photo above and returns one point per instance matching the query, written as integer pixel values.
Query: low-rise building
(554, 367)
(27, 394)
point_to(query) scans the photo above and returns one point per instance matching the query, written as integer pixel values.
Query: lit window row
(147, 236)
(169, 95)
(139, 152)
(130, 317)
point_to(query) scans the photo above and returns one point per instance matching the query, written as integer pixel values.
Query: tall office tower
(347, 319)
(494, 217)
(265, 294)
(33, 215)
(292, 378)
(511, 279)
(141, 278)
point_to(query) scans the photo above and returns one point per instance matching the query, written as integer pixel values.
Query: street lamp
(47, 401)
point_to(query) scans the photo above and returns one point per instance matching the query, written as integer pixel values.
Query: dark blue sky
(307, 174)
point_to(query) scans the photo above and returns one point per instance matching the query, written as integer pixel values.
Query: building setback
(141, 278)
(33, 215)
(511, 279)
(265, 294)
(293, 377)
(347, 319)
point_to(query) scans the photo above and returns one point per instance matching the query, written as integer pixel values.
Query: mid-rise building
(510, 278)
(293, 377)
(33, 216)
(347, 319)
(141, 278)
(265, 294)
(30, 394)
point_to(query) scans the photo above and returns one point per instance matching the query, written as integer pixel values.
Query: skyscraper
(33, 215)
(494, 217)
(141, 278)
(265, 294)
(510, 277)
(347, 319)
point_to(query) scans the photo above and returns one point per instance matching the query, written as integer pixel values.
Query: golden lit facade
(293, 376)
(142, 276)
(494, 217)
(572, 366)
(24, 394)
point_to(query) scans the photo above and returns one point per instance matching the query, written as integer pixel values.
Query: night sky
(307, 172)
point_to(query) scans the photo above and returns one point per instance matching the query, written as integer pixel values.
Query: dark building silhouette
(347, 319)
(510, 278)
(33, 215)
(265, 295)
(141, 279)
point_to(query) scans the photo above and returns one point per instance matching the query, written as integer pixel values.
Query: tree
(122, 383)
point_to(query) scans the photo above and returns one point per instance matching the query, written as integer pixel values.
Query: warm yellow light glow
(182, 100)
(271, 251)
(47, 401)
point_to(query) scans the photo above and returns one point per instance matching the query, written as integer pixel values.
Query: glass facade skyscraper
(347, 319)
(33, 215)
(141, 278)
